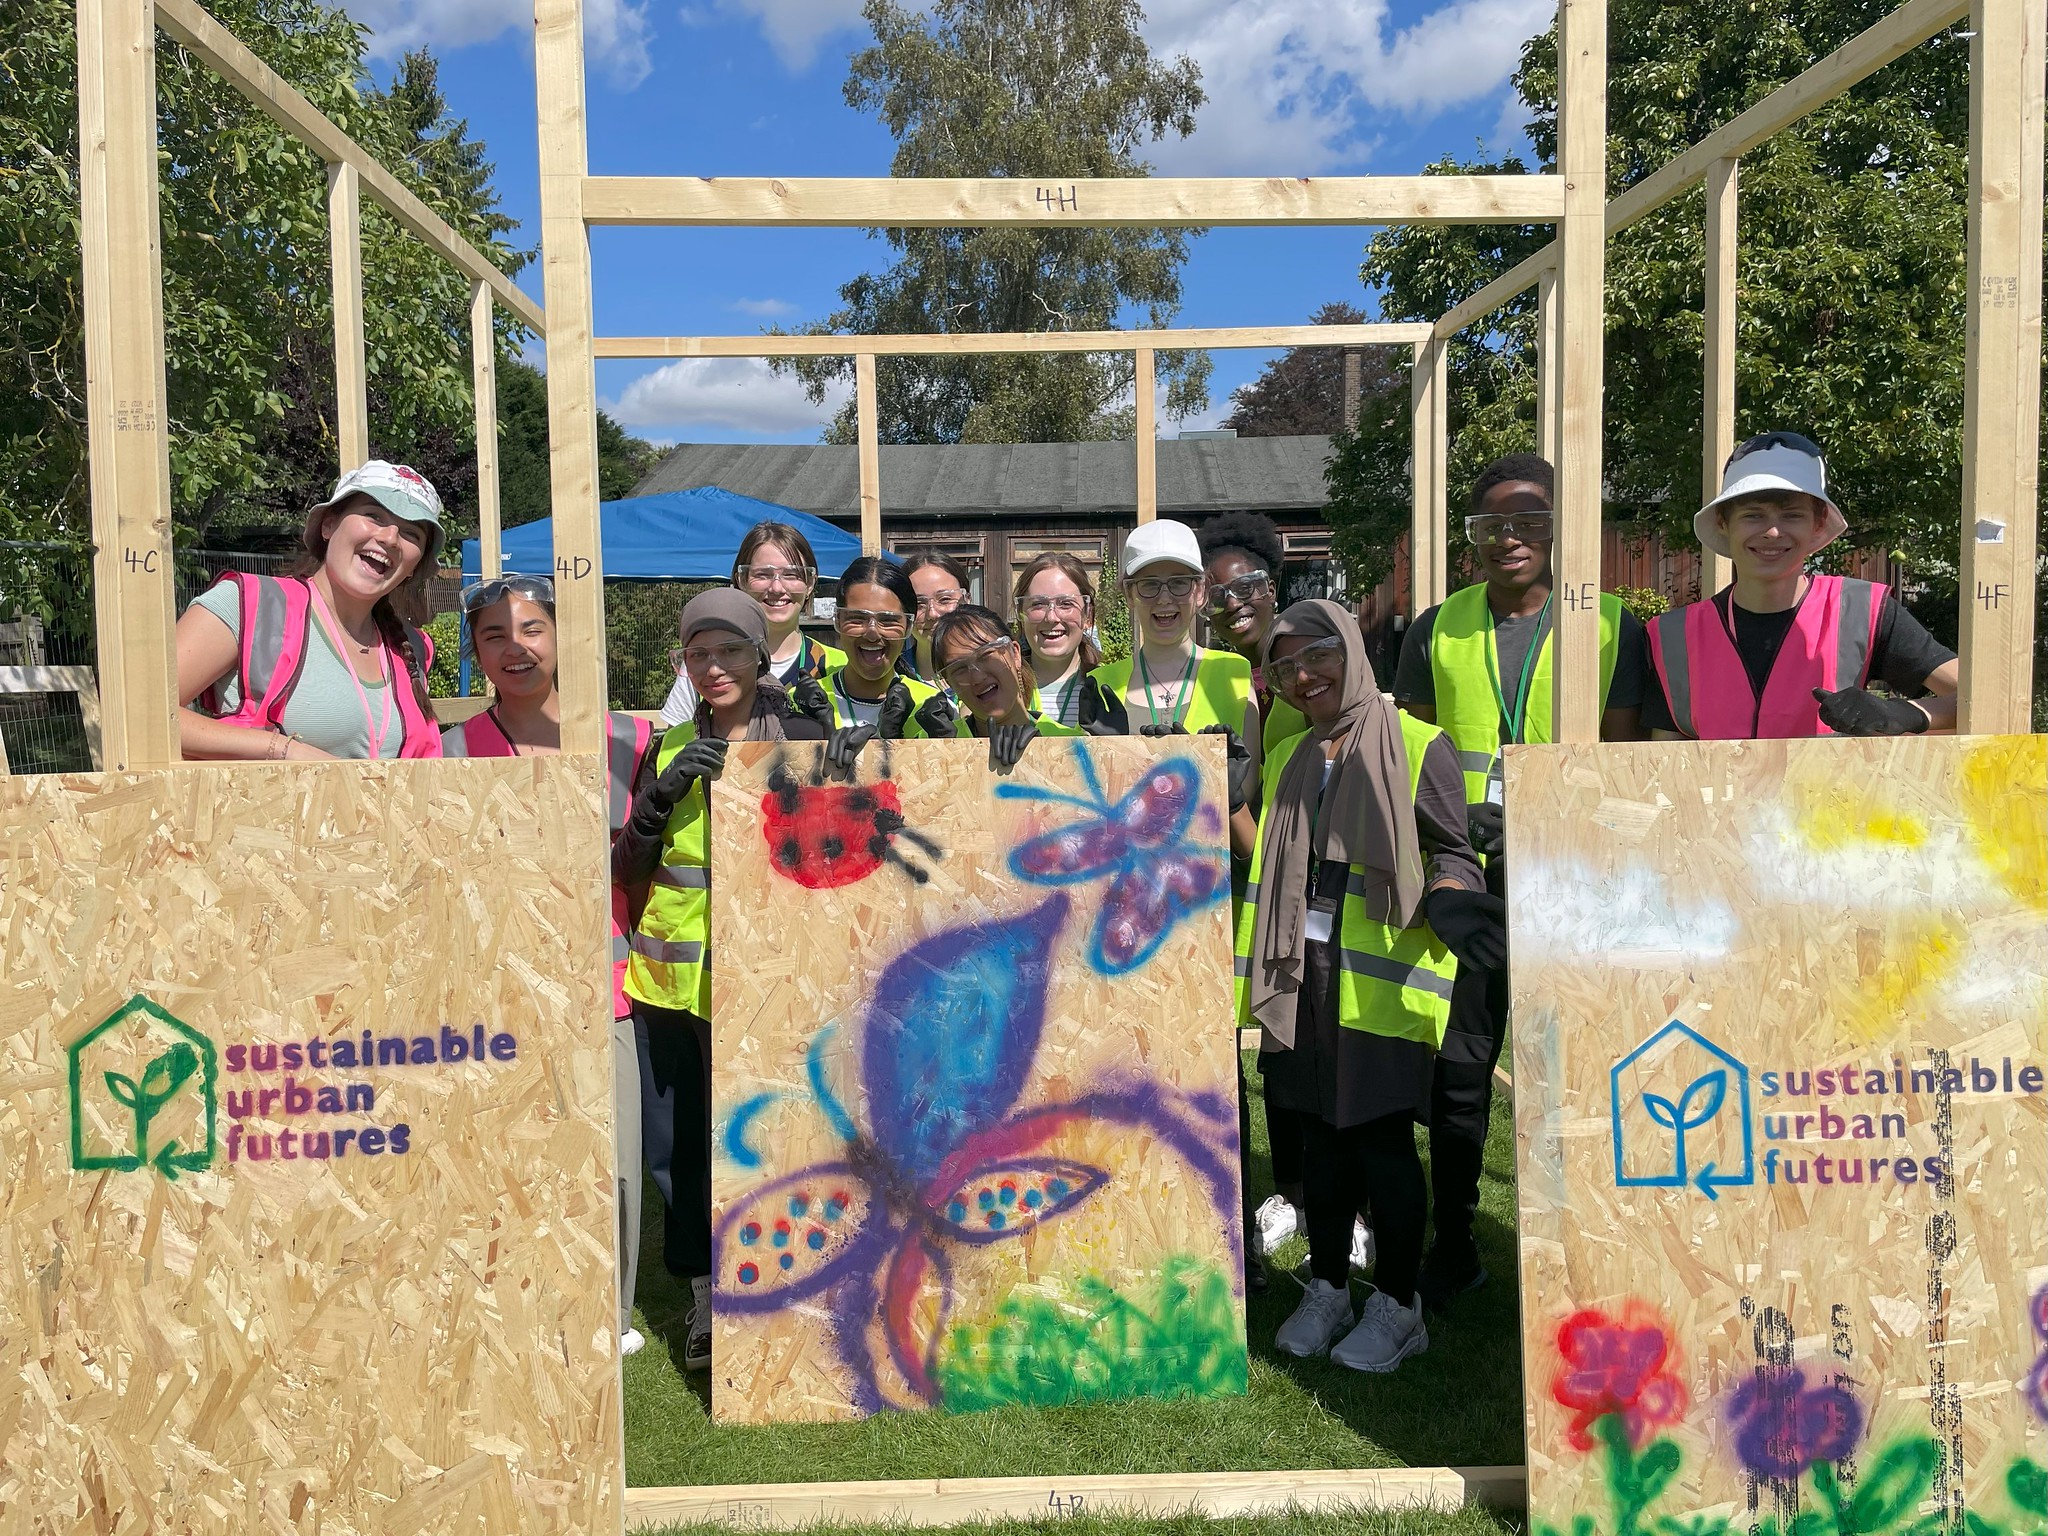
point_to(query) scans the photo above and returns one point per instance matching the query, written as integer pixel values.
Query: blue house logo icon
(1681, 1115)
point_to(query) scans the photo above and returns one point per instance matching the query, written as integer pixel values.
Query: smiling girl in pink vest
(1785, 653)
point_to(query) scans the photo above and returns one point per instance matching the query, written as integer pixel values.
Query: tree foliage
(1048, 89)
(1301, 392)
(1850, 316)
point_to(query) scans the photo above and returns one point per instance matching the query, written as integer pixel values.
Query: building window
(1089, 550)
(1312, 570)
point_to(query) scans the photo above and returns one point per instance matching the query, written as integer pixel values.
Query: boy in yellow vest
(1479, 665)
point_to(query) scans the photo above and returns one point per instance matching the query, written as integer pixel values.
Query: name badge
(1317, 928)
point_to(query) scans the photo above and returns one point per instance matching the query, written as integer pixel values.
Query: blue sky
(753, 88)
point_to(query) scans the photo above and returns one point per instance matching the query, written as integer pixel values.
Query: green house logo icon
(142, 1093)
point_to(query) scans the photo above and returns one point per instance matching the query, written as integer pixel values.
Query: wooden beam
(1856, 60)
(1426, 495)
(572, 379)
(1146, 434)
(1214, 338)
(1582, 242)
(1439, 429)
(2002, 365)
(120, 235)
(483, 367)
(192, 28)
(972, 1500)
(345, 258)
(1549, 336)
(1143, 201)
(1717, 425)
(867, 435)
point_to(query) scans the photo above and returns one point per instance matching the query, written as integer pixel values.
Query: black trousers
(1460, 1101)
(675, 1130)
(1286, 1143)
(1371, 1169)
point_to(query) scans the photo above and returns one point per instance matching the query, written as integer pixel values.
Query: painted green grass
(1460, 1404)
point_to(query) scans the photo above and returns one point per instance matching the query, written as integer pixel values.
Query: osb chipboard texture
(1771, 1281)
(975, 1134)
(414, 1336)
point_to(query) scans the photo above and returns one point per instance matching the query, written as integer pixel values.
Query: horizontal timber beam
(1220, 339)
(1145, 201)
(199, 33)
(1855, 61)
(963, 1500)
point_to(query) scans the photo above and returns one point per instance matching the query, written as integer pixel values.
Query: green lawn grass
(1459, 1404)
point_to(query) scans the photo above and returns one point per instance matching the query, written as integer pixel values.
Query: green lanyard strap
(1187, 680)
(1514, 715)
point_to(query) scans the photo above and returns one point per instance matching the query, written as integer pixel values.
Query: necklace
(1187, 679)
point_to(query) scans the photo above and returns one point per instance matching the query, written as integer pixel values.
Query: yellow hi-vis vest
(669, 964)
(1466, 707)
(919, 693)
(1221, 689)
(1390, 981)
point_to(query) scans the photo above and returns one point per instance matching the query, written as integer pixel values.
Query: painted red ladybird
(824, 836)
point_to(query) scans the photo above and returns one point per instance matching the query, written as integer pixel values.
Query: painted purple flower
(2036, 1384)
(1783, 1424)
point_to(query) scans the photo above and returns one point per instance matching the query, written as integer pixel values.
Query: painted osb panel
(1779, 1089)
(254, 1274)
(975, 1116)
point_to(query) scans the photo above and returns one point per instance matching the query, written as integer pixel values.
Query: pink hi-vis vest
(277, 613)
(628, 741)
(1708, 688)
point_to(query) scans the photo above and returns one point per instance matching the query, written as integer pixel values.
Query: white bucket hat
(1774, 461)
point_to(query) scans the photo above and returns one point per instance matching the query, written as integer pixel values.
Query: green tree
(1851, 283)
(1301, 392)
(1040, 88)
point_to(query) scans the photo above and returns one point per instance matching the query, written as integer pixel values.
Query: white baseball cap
(1161, 542)
(399, 489)
(1773, 461)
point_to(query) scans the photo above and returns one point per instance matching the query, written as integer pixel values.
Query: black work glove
(1006, 744)
(1237, 762)
(1472, 924)
(1859, 712)
(1099, 714)
(703, 758)
(938, 717)
(1487, 827)
(842, 747)
(1174, 729)
(896, 706)
(812, 702)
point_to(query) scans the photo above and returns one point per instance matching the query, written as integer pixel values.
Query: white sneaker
(1325, 1312)
(697, 1340)
(1361, 1245)
(631, 1342)
(1387, 1333)
(1277, 1222)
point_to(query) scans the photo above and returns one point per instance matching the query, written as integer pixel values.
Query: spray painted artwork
(1781, 1088)
(975, 1118)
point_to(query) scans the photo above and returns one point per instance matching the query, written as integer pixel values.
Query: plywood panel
(1779, 1089)
(976, 1133)
(246, 1282)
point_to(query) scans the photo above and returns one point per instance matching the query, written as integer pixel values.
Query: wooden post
(1146, 433)
(1582, 235)
(351, 372)
(867, 432)
(572, 382)
(483, 363)
(2002, 366)
(1549, 330)
(1439, 471)
(1424, 500)
(134, 598)
(1717, 426)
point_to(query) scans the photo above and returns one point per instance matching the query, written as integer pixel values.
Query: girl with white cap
(1782, 652)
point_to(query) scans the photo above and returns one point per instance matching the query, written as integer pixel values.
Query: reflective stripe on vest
(1461, 640)
(1390, 981)
(1222, 687)
(673, 952)
(669, 966)
(1708, 689)
(684, 877)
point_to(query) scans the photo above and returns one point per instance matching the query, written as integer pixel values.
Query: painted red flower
(1616, 1366)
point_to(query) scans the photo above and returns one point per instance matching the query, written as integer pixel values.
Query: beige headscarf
(1368, 819)
(733, 611)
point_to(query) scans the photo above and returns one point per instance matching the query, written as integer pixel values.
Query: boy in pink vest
(1783, 653)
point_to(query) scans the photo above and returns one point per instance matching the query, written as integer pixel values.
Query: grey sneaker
(1325, 1312)
(1387, 1333)
(697, 1340)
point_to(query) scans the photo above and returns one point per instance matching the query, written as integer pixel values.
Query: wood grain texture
(908, 1037)
(483, 365)
(345, 265)
(1146, 433)
(381, 1341)
(1810, 909)
(867, 434)
(1213, 338)
(1717, 432)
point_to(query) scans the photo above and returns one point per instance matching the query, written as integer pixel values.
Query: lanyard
(1514, 716)
(373, 732)
(1187, 680)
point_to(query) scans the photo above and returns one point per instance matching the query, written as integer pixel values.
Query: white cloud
(616, 33)
(796, 28)
(740, 394)
(763, 309)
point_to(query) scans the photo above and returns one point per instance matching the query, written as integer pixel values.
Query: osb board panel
(1779, 1096)
(975, 1116)
(412, 1333)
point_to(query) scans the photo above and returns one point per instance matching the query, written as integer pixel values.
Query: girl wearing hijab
(776, 566)
(511, 624)
(1364, 895)
(667, 840)
(980, 660)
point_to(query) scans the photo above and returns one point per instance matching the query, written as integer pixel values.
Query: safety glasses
(495, 589)
(941, 600)
(1523, 528)
(1320, 659)
(855, 621)
(1148, 588)
(979, 662)
(1066, 605)
(1235, 594)
(733, 657)
(766, 576)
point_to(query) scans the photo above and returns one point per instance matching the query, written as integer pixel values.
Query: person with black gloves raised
(1365, 898)
(868, 696)
(666, 844)
(984, 666)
